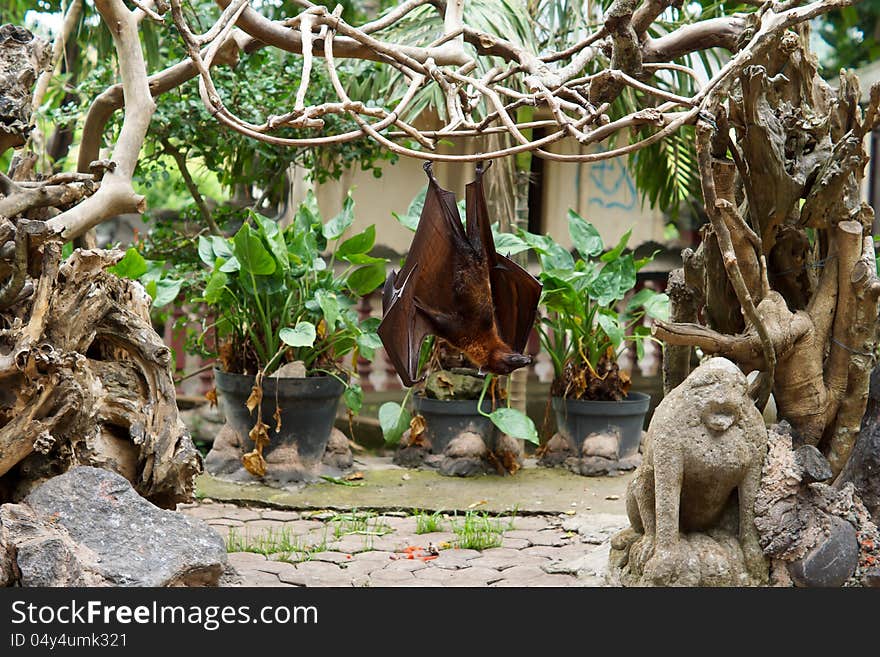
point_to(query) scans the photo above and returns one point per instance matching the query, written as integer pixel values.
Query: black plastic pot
(577, 418)
(308, 409)
(445, 419)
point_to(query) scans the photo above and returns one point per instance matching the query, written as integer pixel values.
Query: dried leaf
(321, 330)
(211, 396)
(260, 435)
(254, 463)
(417, 427)
(354, 476)
(277, 417)
(476, 504)
(255, 397)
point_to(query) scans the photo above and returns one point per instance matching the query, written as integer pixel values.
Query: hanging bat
(454, 285)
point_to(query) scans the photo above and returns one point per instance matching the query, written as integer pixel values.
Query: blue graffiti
(610, 177)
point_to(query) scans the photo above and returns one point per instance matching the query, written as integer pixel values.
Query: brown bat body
(454, 285)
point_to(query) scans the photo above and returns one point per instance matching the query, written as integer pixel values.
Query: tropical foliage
(277, 299)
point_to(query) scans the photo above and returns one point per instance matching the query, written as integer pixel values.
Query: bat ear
(482, 167)
(428, 166)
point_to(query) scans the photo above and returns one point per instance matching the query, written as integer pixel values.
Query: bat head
(504, 361)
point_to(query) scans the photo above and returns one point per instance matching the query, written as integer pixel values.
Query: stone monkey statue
(691, 502)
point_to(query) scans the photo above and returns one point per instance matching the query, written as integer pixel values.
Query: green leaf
(614, 281)
(655, 304)
(214, 288)
(394, 420)
(230, 266)
(221, 246)
(357, 245)
(206, 251)
(610, 323)
(132, 266)
(508, 244)
(334, 228)
(614, 253)
(251, 254)
(274, 238)
(367, 344)
(167, 290)
(515, 424)
(408, 221)
(302, 335)
(640, 334)
(354, 398)
(584, 236)
(329, 307)
(366, 279)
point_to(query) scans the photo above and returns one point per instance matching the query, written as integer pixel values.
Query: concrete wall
(602, 192)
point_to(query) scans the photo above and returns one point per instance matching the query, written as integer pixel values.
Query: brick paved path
(366, 549)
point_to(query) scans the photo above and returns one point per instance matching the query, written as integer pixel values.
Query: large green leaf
(394, 420)
(251, 254)
(655, 304)
(368, 343)
(206, 251)
(302, 335)
(366, 279)
(132, 265)
(515, 424)
(166, 291)
(614, 281)
(614, 253)
(357, 245)
(274, 239)
(214, 288)
(329, 305)
(584, 236)
(334, 228)
(610, 323)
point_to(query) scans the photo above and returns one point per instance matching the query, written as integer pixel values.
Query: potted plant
(284, 319)
(460, 420)
(589, 315)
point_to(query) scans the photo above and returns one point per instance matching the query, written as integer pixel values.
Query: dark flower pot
(577, 418)
(445, 419)
(308, 409)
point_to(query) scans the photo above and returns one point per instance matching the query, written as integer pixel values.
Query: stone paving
(358, 548)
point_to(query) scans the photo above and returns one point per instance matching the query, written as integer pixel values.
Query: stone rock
(592, 466)
(461, 467)
(702, 458)
(464, 456)
(88, 527)
(453, 384)
(556, 451)
(602, 445)
(812, 464)
(595, 528)
(225, 455)
(831, 562)
(338, 452)
(801, 525)
(466, 445)
(863, 467)
(294, 370)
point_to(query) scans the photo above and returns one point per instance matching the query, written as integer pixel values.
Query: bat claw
(428, 166)
(482, 167)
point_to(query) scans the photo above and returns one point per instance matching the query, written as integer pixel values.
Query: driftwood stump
(85, 378)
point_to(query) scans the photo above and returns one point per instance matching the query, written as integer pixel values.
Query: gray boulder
(89, 527)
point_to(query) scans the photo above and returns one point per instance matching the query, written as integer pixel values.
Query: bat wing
(515, 292)
(404, 327)
(415, 302)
